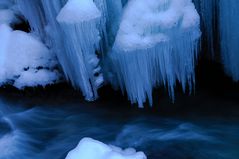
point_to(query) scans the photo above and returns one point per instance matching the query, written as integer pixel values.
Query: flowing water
(48, 130)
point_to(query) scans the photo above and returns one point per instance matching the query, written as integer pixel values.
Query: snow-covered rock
(24, 60)
(92, 149)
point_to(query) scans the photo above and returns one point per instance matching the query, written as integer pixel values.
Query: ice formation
(229, 36)
(70, 30)
(208, 10)
(78, 32)
(92, 149)
(220, 27)
(32, 12)
(78, 22)
(156, 45)
(141, 44)
(24, 60)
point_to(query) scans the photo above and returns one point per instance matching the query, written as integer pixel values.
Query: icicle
(114, 17)
(54, 38)
(33, 12)
(102, 6)
(78, 21)
(229, 15)
(208, 11)
(156, 45)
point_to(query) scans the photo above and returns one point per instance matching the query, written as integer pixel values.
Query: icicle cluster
(220, 21)
(229, 34)
(71, 31)
(151, 43)
(156, 45)
(32, 11)
(76, 30)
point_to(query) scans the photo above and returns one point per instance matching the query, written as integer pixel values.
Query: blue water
(48, 130)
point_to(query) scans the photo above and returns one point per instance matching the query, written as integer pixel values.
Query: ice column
(156, 45)
(78, 21)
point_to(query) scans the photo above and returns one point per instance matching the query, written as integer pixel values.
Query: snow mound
(7, 16)
(78, 11)
(147, 23)
(34, 78)
(156, 45)
(92, 149)
(24, 60)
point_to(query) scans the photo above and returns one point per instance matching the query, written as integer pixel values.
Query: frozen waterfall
(140, 44)
(135, 45)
